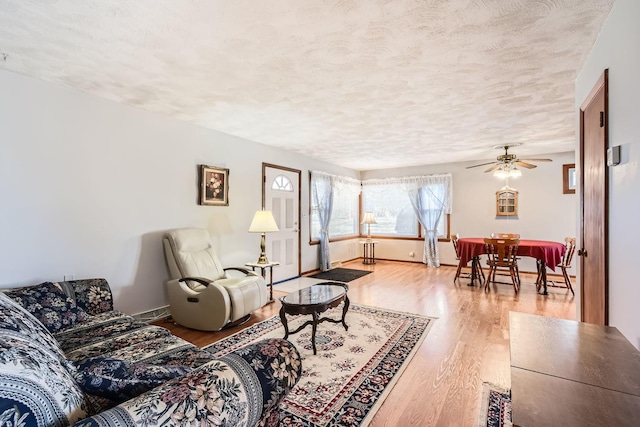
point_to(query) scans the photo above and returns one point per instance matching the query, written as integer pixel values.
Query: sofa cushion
(120, 380)
(16, 320)
(50, 305)
(36, 384)
(92, 295)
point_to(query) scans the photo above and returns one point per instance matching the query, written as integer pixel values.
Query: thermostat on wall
(613, 156)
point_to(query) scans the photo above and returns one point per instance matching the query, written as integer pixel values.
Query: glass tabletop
(316, 294)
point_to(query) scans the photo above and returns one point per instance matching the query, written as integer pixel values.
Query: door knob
(582, 252)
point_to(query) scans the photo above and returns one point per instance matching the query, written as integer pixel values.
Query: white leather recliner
(201, 293)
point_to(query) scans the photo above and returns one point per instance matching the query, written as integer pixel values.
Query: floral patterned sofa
(67, 357)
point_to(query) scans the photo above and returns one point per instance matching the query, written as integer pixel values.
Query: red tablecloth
(548, 252)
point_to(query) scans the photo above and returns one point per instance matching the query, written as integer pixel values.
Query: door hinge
(601, 118)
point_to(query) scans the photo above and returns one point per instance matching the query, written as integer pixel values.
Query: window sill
(417, 239)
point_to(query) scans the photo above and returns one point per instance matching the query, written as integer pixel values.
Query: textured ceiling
(365, 84)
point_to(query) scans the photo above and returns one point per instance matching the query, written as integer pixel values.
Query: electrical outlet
(68, 277)
(412, 254)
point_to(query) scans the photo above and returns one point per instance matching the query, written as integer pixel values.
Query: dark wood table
(315, 300)
(262, 268)
(547, 253)
(570, 373)
(368, 251)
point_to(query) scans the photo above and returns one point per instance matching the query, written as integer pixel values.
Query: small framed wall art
(214, 186)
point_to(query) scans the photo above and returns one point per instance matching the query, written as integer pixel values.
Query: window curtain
(431, 199)
(322, 193)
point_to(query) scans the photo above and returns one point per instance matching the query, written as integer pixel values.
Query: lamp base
(263, 256)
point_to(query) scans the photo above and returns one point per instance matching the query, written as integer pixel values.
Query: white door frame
(264, 182)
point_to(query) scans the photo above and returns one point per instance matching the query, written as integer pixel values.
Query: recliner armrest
(243, 270)
(200, 280)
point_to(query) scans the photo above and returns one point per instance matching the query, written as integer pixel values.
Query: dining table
(547, 253)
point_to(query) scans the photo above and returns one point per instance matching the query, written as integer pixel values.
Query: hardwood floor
(467, 345)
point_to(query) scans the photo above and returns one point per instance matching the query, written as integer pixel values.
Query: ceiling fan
(507, 162)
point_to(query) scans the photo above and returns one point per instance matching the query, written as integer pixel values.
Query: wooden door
(281, 196)
(593, 200)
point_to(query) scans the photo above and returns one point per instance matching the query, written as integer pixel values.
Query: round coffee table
(314, 300)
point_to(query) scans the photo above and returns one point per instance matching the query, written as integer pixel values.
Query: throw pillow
(50, 305)
(120, 380)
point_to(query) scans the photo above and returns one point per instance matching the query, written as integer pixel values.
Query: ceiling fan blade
(494, 167)
(524, 165)
(537, 160)
(482, 164)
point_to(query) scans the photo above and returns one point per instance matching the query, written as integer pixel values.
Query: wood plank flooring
(468, 343)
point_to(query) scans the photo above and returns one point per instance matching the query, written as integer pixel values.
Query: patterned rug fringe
(495, 410)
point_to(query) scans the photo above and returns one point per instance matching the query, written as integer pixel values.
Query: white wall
(544, 212)
(88, 187)
(618, 49)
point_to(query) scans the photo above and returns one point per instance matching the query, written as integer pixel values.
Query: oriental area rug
(496, 407)
(353, 371)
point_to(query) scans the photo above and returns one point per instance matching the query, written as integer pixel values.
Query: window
(282, 183)
(569, 179)
(393, 211)
(344, 215)
(388, 199)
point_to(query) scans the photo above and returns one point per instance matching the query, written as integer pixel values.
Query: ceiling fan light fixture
(514, 173)
(501, 173)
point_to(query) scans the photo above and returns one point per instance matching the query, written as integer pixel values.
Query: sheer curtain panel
(322, 193)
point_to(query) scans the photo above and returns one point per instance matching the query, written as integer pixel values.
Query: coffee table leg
(313, 332)
(283, 318)
(344, 312)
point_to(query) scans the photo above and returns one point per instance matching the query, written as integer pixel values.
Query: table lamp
(263, 222)
(368, 219)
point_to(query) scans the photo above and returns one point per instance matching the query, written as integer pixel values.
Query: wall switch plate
(613, 156)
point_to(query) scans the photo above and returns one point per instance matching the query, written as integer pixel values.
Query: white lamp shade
(501, 173)
(515, 173)
(263, 222)
(368, 218)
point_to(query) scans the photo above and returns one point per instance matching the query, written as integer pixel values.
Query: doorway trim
(602, 84)
(264, 183)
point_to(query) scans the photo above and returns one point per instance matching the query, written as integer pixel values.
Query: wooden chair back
(501, 252)
(454, 240)
(570, 243)
(504, 236)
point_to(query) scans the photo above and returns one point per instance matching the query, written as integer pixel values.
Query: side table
(262, 268)
(369, 251)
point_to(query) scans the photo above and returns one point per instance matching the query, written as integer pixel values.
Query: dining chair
(504, 236)
(501, 255)
(474, 262)
(570, 244)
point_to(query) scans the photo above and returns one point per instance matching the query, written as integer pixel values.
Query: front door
(281, 192)
(593, 172)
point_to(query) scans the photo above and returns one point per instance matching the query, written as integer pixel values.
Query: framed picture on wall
(214, 186)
